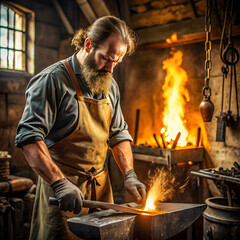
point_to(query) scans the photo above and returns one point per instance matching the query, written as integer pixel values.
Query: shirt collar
(75, 65)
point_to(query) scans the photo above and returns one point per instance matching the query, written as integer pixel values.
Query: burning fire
(162, 188)
(175, 96)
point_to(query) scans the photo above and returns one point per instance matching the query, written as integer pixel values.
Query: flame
(166, 118)
(173, 38)
(176, 95)
(161, 189)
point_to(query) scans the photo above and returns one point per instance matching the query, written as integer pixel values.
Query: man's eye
(105, 59)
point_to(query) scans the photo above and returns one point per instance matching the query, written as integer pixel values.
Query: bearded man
(72, 115)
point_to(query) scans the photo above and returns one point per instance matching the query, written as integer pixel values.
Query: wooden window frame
(29, 41)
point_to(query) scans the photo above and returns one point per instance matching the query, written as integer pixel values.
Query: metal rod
(176, 140)
(224, 74)
(163, 141)
(104, 205)
(236, 90)
(136, 126)
(230, 91)
(155, 137)
(198, 137)
(229, 196)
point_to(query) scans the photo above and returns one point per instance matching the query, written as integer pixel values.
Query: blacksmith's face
(110, 53)
(98, 65)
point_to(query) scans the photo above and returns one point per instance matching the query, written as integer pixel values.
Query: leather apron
(81, 157)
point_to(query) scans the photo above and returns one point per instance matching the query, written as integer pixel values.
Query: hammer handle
(86, 203)
(102, 205)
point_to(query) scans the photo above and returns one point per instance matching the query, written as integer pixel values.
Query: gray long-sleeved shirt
(51, 110)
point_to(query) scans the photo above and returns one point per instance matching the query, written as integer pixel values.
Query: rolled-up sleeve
(119, 128)
(40, 110)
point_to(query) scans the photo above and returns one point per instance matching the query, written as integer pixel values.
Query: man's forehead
(113, 46)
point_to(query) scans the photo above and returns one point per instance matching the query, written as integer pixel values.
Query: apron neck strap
(73, 77)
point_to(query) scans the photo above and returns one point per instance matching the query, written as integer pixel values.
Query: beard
(98, 81)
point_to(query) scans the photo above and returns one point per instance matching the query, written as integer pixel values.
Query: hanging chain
(208, 48)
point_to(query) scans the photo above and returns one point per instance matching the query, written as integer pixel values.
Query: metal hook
(233, 52)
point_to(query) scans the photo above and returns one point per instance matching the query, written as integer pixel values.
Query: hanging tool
(230, 57)
(222, 116)
(206, 106)
(229, 54)
(230, 119)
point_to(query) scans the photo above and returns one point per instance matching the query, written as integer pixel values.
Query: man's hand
(69, 196)
(134, 186)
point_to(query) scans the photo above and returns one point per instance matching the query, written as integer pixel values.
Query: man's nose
(110, 66)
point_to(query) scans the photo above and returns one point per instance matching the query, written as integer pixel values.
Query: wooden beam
(191, 3)
(99, 8)
(87, 10)
(168, 14)
(63, 17)
(162, 32)
(125, 11)
(189, 39)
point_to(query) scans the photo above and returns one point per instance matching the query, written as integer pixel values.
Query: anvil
(169, 220)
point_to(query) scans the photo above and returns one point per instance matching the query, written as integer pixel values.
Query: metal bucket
(220, 220)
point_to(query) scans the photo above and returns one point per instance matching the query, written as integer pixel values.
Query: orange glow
(150, 206)
(161, 188)
(173, 38)
(176, 95)
(190, 163)
(163, 130)
(181, 163)
(167, 110)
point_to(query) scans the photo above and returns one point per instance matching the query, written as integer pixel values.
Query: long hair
(101, 29)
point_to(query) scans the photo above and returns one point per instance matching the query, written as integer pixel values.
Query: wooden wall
(13, 85)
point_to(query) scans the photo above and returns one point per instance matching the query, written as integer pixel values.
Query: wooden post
(63, 17)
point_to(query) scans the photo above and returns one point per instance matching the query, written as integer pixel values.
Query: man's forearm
(40, 160)
(122, 153)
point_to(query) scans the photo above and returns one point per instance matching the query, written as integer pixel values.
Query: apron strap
(91, 177)
(73, 77)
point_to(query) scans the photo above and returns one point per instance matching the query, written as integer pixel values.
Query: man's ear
(87, 44)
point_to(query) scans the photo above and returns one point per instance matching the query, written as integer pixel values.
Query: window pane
(3, 58)
(3, 16)
(10, 59)
(18, 40)
(11, 39)
(18, 60)
(18, 22)
(4, 33)
(11, 18)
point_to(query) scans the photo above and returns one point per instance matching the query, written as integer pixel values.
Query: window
(16, 44)
(13, 38)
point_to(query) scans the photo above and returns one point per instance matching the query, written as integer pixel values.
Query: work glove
(69, 196)
(134, 186)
